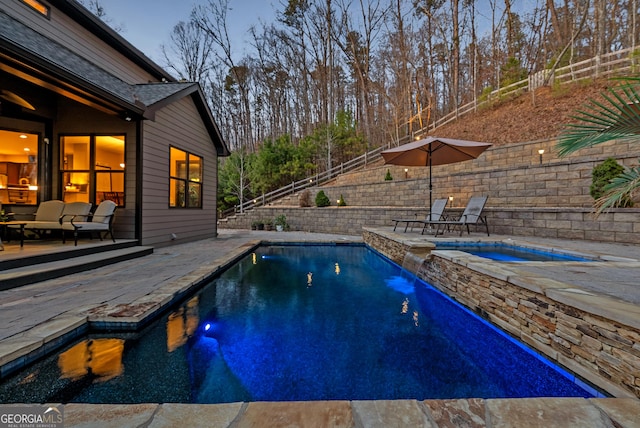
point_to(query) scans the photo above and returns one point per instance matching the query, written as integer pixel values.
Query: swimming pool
(291, 323)
(509, 253)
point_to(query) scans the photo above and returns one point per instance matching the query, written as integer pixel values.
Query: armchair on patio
(436, 214)
(78, 211)
(472, 214)
(47, 217)
(100, 221)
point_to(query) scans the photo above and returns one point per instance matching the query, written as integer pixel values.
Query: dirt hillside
(527, 117)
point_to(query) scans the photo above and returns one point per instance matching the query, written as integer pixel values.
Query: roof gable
(56, 67)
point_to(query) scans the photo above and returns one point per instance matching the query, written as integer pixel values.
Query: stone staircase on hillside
(286, 201)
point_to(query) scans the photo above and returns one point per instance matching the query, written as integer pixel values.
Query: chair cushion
(76, 210)
(104, 212)
(86, 226)
(41, 225)
(49, 211)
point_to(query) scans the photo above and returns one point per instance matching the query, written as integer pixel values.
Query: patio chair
(100, 221)
(472, 214)
(47, 216)
(78, 211)
(436, 213)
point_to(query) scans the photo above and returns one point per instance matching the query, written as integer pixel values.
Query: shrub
(602, 175)
(322, 200)
(305, 198)
(341, 202)
(388, 177)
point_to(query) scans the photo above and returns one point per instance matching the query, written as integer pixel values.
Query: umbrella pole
(430, 184)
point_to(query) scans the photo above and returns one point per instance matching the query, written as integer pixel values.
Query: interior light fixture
(23, 136)
(27, 149)
(122, 165)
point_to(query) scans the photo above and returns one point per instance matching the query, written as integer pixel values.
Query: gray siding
(67, 32)
(178, 124)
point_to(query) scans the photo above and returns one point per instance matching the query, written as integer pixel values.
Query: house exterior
(85, 116)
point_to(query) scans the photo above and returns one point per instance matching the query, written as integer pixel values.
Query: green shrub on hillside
(322, 200)
(602, 175)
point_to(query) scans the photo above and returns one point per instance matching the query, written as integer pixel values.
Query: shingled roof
(49, 56)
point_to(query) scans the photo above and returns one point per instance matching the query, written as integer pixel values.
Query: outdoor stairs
(291, 200)
(31, 269)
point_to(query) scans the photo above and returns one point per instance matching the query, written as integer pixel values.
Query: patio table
(5, 225)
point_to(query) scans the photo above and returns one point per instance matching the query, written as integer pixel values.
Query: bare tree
(358, 48)
(395, 64)
(211, 19)
(190, 53)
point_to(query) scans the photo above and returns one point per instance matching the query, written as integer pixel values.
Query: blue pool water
(299, 323)
(508, 253)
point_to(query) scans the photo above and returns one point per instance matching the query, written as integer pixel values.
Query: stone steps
(53, 266)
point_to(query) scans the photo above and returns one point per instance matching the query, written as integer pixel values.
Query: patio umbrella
(433, 151)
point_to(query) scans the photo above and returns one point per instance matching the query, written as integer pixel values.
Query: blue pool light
(400, 283)
(210, 329)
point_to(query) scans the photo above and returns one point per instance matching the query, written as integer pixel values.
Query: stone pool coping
(529, 412)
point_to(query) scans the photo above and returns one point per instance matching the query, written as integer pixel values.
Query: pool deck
(34, 317)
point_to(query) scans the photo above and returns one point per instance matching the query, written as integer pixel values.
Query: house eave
(45, 75)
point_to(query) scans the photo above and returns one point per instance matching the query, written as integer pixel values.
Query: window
(92, 168)
(185, 179)
(18, 168)
(38, 6)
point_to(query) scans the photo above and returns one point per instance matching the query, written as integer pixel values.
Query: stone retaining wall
(511, 176)
(514, 160)
(620, 225)
(526, 198)
(602, 351)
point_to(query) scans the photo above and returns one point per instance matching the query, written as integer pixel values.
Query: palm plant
(617, 118)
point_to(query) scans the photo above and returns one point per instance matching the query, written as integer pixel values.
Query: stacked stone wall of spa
(604, 352)
(525, 197)
(599, 350)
